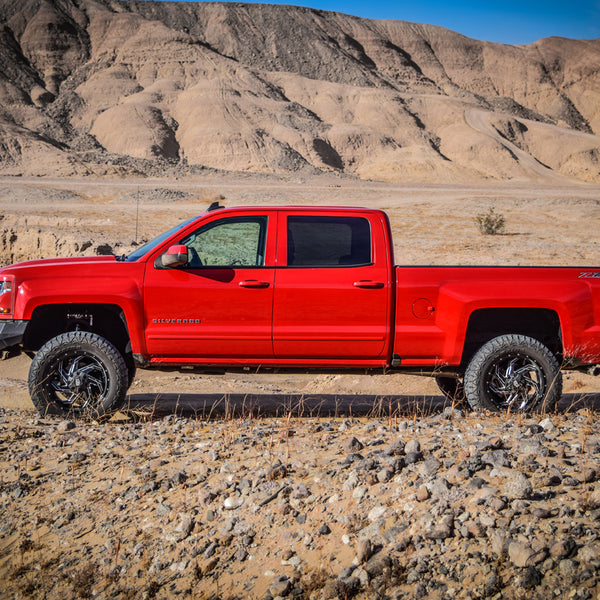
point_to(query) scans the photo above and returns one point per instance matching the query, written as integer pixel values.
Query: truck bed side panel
(434, 305)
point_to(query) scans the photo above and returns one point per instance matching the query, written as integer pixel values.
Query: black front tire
(515, 373)
(78, 374)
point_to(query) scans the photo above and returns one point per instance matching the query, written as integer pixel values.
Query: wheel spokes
(516, 383)
(79, 381)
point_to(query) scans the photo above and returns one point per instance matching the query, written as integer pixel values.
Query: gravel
(449, 506)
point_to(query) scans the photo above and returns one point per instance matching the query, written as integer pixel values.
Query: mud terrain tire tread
(70, 345)
(501, 348)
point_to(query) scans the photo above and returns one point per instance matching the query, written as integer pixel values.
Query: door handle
(369, 285)
(254, 284)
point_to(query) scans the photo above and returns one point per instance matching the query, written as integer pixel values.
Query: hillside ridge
(114, 87)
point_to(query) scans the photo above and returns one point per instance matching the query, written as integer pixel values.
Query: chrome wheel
(513, 372)
(80, 374)
(517, 383)
(79, 381)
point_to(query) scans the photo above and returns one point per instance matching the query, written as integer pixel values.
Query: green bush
(491, 222)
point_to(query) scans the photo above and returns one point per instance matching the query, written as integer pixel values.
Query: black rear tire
(78, 374)
(515, 373)
(452, 388)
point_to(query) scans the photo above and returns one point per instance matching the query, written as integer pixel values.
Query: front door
(220, 303)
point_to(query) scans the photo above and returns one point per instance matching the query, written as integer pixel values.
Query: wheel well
(539, 323)
(106, 320)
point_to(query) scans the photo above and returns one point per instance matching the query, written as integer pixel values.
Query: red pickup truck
(289, 287)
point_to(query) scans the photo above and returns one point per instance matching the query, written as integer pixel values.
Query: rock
(376, 513)
(353, 457)
(364, 550)
(330, 590)
(525, 555)
(354, 445)
(551, 478)
(359, 492)
(568, 567)
(589, 474)
(280, 586)
(439, 529)
(413, 457)
(277, 471)
(496, 458)
(563, 548)
(589, 553)
(430, 467)
(476, 529)
(233, 502)
(547, 425)
(210, 550)
(530, 578)
(78, 457)
(396, 448)
(300, 492)
(384, 475)
(453, 413)
(240, 555)
(378, 564)
(64, 426)
(180, 477)
(518, 486)
(593, 502)
(351, 482)
(438, 488)
(412, 446)
(183, 529)
(423, 493)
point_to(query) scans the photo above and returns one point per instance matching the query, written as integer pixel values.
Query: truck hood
(79, 261)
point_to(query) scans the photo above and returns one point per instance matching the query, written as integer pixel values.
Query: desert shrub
(490, 222)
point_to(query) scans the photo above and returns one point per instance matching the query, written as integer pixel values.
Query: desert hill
(108, 86)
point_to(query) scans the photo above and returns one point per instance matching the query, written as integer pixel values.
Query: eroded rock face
(54, 43)
(267, 88)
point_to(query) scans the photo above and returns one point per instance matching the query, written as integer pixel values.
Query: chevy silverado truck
(295, 287)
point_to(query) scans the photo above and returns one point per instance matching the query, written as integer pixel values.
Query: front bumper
(11, 333)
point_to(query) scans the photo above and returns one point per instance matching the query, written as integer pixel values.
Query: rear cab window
(328, 241)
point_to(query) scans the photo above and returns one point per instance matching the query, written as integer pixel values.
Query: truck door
(220, 303)
(332, 287)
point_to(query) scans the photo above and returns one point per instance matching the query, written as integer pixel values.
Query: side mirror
(175, 256)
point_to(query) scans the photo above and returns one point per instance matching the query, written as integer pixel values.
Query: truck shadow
(219, 406)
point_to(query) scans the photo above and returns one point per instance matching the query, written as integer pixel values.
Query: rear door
(333, 286)
(220, 303)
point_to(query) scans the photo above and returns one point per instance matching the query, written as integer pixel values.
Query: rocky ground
(449, 504)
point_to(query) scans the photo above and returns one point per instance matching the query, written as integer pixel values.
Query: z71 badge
(589, 275)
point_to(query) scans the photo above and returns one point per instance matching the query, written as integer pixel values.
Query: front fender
(122, 292)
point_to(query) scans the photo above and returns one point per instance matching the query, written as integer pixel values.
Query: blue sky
(504, 21)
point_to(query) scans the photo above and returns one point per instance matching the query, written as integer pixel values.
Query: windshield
(142, 250)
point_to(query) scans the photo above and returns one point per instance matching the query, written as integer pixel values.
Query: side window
(235, 242)
(328, 241)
